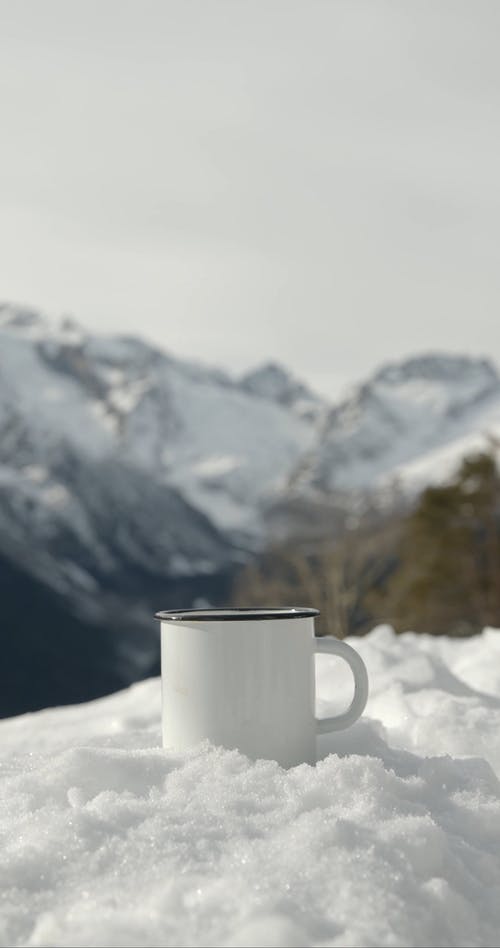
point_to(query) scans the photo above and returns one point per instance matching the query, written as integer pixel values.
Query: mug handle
(332, 646)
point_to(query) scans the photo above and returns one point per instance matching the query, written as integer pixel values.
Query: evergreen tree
(448, 578)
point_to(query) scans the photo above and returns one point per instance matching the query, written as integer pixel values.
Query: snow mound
(392, 839)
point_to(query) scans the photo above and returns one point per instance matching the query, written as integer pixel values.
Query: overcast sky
(315, 182)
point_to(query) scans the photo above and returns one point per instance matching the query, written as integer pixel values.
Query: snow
(125, 397)
(216, 465)
(48, 406)
(440, 464)
(232, 449)
(392, 839)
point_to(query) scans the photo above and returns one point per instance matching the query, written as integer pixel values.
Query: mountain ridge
(132, 480)
(229, 444)
(404, 412)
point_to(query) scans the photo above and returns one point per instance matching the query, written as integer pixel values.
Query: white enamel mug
(244, 678)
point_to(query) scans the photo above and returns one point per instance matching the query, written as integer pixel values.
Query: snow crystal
(392, 839)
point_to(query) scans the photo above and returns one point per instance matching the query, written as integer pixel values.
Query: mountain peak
(437, 367)
(22, 319)
(275, 383)
(409, 411)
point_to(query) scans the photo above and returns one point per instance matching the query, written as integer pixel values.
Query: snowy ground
(392, 839)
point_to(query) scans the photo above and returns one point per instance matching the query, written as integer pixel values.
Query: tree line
(435, 569)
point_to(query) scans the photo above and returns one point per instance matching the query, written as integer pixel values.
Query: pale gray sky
(312, 181)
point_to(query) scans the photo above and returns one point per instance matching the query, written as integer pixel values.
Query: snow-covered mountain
(131, 480)
(132, 453)
(409, 425)
(219, 443)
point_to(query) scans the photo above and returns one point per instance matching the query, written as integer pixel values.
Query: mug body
(243, 679)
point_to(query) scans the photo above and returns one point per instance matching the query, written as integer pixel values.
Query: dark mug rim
(237, 614)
